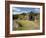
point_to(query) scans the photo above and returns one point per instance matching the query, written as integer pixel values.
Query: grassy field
(27, 25)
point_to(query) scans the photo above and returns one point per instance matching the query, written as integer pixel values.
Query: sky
(19, 10)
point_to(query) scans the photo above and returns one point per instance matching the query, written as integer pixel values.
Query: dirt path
(16, 25)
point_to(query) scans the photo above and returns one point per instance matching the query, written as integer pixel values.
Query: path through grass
(26, 25)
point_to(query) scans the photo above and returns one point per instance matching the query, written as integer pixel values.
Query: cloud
(17, 13)
(16, 9)
(36, 9)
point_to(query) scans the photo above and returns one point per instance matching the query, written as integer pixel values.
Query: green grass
(25, 22)
(26, 25)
